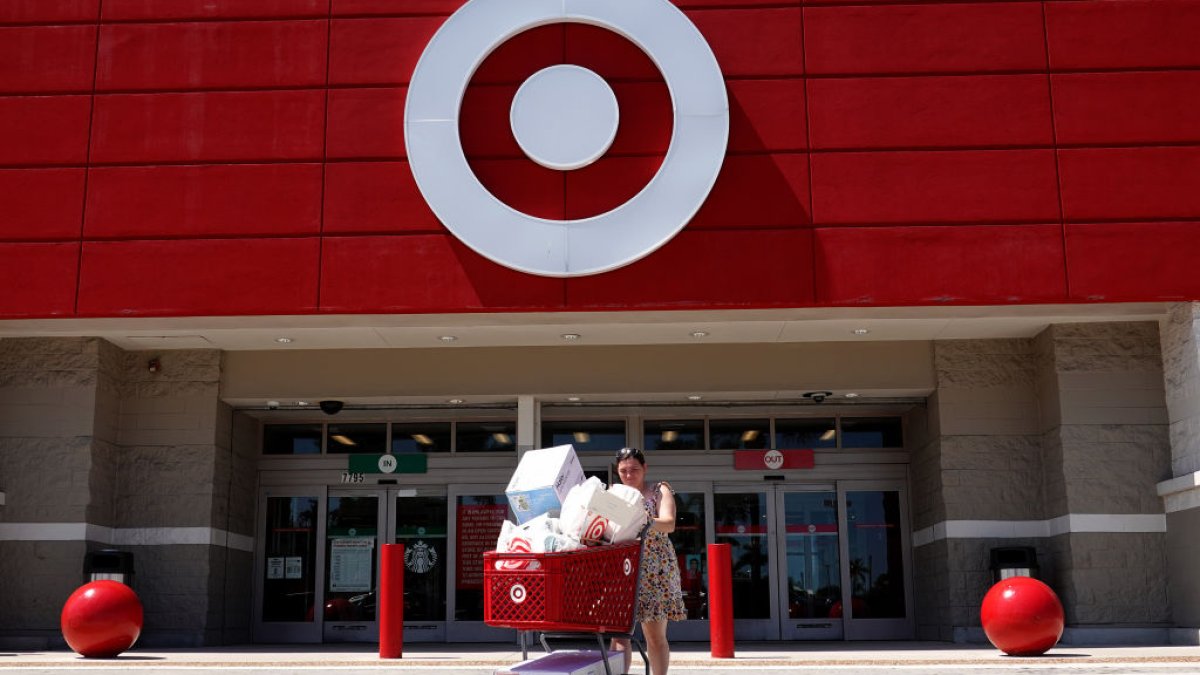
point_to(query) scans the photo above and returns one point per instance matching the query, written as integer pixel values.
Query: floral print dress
(659, 594)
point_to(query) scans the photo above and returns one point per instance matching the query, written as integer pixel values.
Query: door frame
(467, 631)
(288, 632)
(877, 629)
(755, 629)
(804, 629)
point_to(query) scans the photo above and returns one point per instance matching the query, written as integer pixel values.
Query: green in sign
(388, 464)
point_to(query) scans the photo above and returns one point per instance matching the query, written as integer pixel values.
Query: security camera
(272, 405)
(817, 396)
(331, 407)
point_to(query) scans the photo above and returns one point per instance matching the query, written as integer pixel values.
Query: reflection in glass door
(875, 520)
(288, 565)
(743, 520)
(479, 512)
(351, 566)
(420, 524)
(812, 572)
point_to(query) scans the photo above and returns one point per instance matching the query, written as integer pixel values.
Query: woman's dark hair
(630, 453)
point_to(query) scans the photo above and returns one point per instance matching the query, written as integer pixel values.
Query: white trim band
(1180, 493)
(1028, 529)
(131, 536)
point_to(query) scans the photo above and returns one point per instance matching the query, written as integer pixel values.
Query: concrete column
(529, 421)
(976, 458)
(1104, 448)
(59, 462)
(1181, 492)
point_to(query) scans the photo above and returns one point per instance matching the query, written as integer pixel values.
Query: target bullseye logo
(517, 593)
(564, 118)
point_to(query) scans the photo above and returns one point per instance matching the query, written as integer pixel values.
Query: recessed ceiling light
(283, 340)
(572, 398)
(447, 338)
(861, 331)
(699, 333)
(455, 401)
(301, 403)
(851, 394)
(695, 397)
(571, 336)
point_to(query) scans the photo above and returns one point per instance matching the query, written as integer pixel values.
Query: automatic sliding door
(288, 564)
(878, 564)
(351, 566)
(812, 571)
(420, 524)
(744, 521)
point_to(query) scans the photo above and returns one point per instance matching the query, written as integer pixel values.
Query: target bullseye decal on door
(564, 118)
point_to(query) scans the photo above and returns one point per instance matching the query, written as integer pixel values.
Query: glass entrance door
(288, 564)
(877, 565)
(479, 512)
(810, 578)
(817, 562)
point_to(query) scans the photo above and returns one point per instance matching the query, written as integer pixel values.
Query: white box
(594, 515)
(567, 662)
(542, 480)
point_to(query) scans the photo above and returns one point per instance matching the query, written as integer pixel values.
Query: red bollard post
(720, 600)
(391, 601)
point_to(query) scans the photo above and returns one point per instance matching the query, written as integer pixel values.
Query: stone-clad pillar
(98, 449)
(59, 466)
(1181, 492)
(1104, 445)
(976, 467)
(1055, 442)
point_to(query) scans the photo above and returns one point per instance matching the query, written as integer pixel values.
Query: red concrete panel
(930, 38)
(758, 191)
(375, 197)
(946, 264)
(523, 185)
(45, 275)
(935, 187)
(209, 126)
(1122, 34)
(212, 55)
(203, 201)
(141, 10)
(483, 122)
(766, 115)
(378, 51)
(424, 273)
(754, 42)
(1141, 107)
(47, 58)
(608, 54)
(687, 4)
(707, 269)
(366, 123)
(930, 112)
(1134, 261)
(1130, 183)
(197, 277)
(394, 7)
(41, 11)
(523, 55)
(40, 204)
(44, 129)
(605, 185)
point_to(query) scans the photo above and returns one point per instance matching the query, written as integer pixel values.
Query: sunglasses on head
(628, 453)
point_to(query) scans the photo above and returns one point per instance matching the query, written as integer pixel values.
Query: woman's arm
(665, 521)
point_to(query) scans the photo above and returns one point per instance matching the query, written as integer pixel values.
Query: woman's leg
(622, 645)
(657, 648)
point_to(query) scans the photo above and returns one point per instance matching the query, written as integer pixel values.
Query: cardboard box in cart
(567, 662)
(542, 480)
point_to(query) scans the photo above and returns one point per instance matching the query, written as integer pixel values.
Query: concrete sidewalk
(761, 658)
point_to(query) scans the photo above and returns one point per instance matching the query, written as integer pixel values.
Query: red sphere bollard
(101, 619)
(1022, 616)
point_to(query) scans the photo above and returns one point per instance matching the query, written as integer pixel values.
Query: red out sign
(773, 460)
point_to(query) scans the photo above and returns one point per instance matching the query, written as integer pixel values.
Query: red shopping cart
(564, 595)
